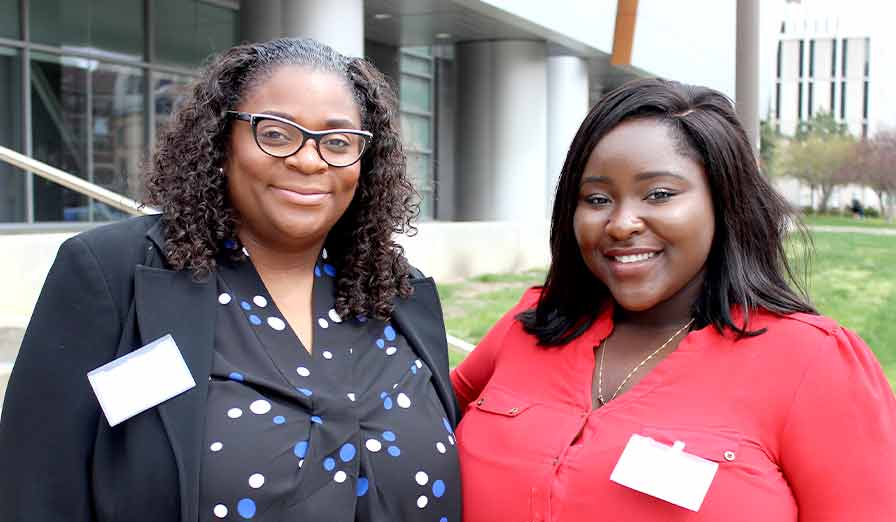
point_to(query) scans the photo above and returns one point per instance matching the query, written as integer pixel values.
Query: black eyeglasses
(282, 138)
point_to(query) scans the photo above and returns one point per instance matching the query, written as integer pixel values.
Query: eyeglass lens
(337, 148)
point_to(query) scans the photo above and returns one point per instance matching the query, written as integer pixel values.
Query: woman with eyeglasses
(259, 351)
(667, 370)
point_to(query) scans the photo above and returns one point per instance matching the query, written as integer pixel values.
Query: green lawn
(847, 221)
(853, 280)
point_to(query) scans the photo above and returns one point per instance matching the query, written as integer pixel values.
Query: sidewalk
(854, 230)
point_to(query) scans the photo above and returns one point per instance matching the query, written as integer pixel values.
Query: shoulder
(114, 236)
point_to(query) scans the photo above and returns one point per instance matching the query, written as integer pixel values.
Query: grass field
(853, 280)
(847, 221)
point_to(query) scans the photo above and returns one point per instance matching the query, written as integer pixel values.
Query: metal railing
(69, 181)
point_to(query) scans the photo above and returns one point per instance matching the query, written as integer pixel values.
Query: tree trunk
(826, 191)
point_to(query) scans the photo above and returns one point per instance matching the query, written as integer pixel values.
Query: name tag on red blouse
(666, 472)
(140, 380)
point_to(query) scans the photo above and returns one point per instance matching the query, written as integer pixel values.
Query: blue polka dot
(443, 519)
(304, 391)
(389, 436)
(347, 452)
(317, 420)
(383, 395)
(317, 271)
(387, 403)
(414, 369)
(279, 419)
(389, 332)
(362, 318)
(329, 463)
(447, 425)
(380, 344)
(245, 305)
(361, 486)
(438, 488)
(236, 376)
(254, 319)
(246, 508)
(330, 270)
(301, 449)
(230, 243)
(394, 451)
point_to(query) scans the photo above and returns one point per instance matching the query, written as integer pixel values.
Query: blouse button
(479, 402)
(514, 411)
(729, 455)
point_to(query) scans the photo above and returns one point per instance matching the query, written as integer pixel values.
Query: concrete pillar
(337, 23)
(501, 130)
(567, 106)
(746, 93)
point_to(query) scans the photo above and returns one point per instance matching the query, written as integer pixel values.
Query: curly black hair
(185, 182)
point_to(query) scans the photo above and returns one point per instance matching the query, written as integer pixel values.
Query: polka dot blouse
(352, 432)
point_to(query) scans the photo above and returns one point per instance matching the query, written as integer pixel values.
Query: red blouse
(800, 419)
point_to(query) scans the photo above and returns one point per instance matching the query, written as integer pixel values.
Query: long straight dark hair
(747, 264)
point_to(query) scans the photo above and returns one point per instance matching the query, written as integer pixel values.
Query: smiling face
(294, 200)
(644, 219)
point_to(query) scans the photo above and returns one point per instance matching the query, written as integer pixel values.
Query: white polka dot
(351, 396)
(234, 413)
(322, 322)
(395, 386)
(391, 350)
(418, 363)
(245, 252)
(260, 407)
(220, 511)
(304, 372)
(276, 323)
(422, 501)
(451, 439)
(324, 254)
(216, 446)
(256, 481)
(403, 401)
(301, 461)
(334, 316)
(259, 300)
(373, 445)
(421, 477)
(340, 476)
(224, 299)
(440, 447)
(327, 354)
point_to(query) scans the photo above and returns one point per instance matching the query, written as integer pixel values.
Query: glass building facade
(86, 84)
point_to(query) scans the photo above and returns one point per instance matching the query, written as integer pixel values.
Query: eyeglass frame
(254, 118)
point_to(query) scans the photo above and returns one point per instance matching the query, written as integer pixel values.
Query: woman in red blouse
(667, 370)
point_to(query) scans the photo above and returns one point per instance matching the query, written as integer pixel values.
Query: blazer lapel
(172, 302)
(420, 320)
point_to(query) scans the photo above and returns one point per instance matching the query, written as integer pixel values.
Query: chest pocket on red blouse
(500, 402)
(715, 444)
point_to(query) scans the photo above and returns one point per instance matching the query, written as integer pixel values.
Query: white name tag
(665, 472)
(140, 380)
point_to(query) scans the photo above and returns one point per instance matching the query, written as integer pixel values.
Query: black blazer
(108, 293)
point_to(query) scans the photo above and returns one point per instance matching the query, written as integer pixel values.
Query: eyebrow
(641, 176)
(332, 123)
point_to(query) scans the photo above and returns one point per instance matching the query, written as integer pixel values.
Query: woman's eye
(597, 199)
(335, 142)
(660, 194)
(274, 135)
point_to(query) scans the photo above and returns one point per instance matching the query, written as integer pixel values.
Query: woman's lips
(304, 197)
(629, 265)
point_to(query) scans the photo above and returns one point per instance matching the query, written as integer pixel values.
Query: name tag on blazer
(665, 472)
(140, 380)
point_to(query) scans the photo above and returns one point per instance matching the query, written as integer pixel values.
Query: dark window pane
(187, 32)
(9, 22)
(109, 25)
(169, 90)
(12, 181)
(416, 93)
(118, 134)
(59, 126)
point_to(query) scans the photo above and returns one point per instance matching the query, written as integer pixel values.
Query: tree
(822, 155)
(875, 166)
(769, 140)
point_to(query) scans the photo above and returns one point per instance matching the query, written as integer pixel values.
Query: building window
(811, 93)
(778, 101)
(416, 88)
(843, 100)
(843, 61)
(811, 58)
(114, 26)
(9, 22)
(833, 96)
(802, 68)
(799, 101)
(187, 33)
(867, 57)
(780, 52)
(12, 181)
(865, 100)
(833, 61)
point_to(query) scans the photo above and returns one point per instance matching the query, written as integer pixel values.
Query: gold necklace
(600, 367)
